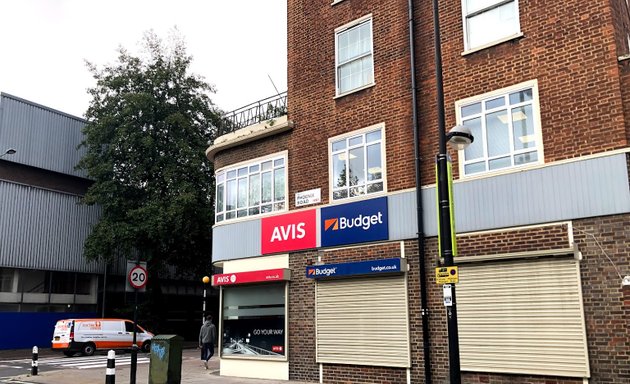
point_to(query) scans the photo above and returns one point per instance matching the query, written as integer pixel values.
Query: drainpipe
(424, 310)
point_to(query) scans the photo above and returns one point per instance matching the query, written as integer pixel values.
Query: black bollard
(34, 361)
(110, 377)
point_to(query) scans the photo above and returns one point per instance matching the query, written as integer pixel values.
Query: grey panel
(43, 137)
(587, 188)
(236, 241)
(41, 229)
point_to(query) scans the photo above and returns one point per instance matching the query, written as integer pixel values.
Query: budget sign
(358, 222)
(289, 232)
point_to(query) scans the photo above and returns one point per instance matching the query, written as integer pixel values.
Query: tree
(149, 123)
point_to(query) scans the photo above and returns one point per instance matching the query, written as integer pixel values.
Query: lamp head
(460, 137)
(205, 279)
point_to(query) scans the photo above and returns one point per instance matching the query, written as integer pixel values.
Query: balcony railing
(257, 112)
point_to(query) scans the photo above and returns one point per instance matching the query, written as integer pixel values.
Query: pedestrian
(207, 339)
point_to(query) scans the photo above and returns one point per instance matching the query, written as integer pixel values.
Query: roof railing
(256, 112)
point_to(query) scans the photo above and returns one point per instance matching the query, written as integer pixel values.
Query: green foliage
(149, 123)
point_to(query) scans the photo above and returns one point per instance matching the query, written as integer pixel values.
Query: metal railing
(257, 112)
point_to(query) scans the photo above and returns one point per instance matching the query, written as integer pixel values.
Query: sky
(236, 45)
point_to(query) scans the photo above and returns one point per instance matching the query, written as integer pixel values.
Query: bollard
(110, 377)
(34, 361)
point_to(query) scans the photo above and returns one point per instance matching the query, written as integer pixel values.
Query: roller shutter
(363, 321)
(522, 316)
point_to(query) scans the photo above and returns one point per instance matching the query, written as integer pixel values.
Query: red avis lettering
(288, 232)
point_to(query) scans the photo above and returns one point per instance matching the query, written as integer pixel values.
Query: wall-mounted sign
(358, 222)
(289, 232)
(267, 275)
(371, 267)
(312, 196)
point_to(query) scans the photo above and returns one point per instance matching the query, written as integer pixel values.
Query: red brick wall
(253, 150)
(606, 304)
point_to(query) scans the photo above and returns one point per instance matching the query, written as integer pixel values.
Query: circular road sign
(138, 277)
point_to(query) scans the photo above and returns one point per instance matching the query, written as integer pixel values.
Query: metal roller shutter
(522, 316)
(363, 321)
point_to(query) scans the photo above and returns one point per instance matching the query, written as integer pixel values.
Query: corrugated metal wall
(43, 137)
(567, 191)
(41, 229)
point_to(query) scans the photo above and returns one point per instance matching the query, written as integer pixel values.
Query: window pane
(242, 192)
(357, 191)
(254, 211)
(265, 208)
(220, 197)
(220, 177)
(492, 25)
(84, 284)
(357, 167)
(340, 194)
(376, 187)
(241, 213)
(373, 136)
(231, 174)
(34, 281)
(230, 191)
(520, 97)
(476, 5)
(219, 218)
(339, 170)
(374, 162)
(242, 171)
(495, 103)
(524, 158)
(278, 206)
(278, 162)
(355, 140)
(475, 149)
(6, 279)
(254, 168)
(254, 190)
(472, 109)
(502, 162)
(498, 133)
(523, 127)
(338, 145)
(266, 165)
(278, 189)
(266, 187)
(230, 215)
(469, 169)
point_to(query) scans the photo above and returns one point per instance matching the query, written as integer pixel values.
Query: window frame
(468, 48)
(347, 136)
(539, 147)
(340, 30)
(247, 164)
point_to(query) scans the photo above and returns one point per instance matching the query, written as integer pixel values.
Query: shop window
(34, 281)
(354, 56)
(252, 188)
(254, 321)
(487, 21)
(84, 284)
(62, 283)
(357, 163)
(506, 127)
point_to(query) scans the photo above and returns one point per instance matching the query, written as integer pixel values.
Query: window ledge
(336, 2)
(493, 43)
(624, 57)
(354, 90)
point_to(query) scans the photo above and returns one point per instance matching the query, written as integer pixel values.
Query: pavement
(193, 372)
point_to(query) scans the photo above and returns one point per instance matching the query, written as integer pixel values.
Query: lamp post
(205, 281)
(9, 151)
(461, 137)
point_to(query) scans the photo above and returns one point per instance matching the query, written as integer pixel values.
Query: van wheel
(69, 353)
(146, 347)
(88, 349)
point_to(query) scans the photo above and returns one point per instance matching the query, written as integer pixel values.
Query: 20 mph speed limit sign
(137, 277)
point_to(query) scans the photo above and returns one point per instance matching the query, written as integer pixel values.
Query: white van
(87, 335)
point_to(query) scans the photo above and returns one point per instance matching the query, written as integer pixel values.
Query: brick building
(317, 209)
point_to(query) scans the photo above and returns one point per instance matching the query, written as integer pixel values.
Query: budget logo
(321, 271)
(352, 223)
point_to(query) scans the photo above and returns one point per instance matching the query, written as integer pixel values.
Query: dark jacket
(208, 333)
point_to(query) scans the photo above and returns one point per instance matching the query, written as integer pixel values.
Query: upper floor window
(486, 21)
(354, 55)
(251, 188)
(357, 162)
(506, 127)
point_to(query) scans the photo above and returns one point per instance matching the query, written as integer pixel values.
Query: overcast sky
(236, 45)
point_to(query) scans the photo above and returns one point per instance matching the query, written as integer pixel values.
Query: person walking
(207, 339)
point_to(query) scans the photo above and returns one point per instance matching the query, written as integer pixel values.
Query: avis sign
(289, 232)
(352, 223)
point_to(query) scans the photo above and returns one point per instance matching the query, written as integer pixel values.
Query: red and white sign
(138, 277)
(289, 232)
(251, 277)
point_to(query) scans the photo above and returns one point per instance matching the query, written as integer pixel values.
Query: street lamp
(461, 137)
(205, 281)
(9, 151)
